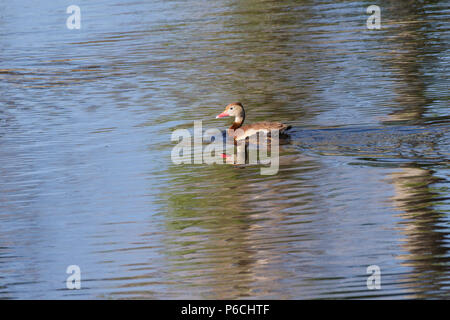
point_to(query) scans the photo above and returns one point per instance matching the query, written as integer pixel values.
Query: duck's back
(264, 126)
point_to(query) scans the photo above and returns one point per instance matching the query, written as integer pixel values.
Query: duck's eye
(231, 108)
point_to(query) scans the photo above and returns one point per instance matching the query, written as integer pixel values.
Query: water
(86, 177)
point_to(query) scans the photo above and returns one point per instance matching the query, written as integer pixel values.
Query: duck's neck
(238, 121)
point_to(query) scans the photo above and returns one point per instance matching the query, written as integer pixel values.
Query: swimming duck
(237, 111)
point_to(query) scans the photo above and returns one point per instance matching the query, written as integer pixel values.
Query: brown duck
(237, 111)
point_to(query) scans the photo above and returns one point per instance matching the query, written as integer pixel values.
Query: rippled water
(86, 118)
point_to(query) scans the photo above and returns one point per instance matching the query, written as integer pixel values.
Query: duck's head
(233, 110)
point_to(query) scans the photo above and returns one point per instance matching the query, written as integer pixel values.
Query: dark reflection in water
(86, 118)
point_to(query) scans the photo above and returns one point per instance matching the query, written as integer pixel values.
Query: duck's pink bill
(223, 114)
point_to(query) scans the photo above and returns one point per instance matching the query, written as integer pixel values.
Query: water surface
(86, 176)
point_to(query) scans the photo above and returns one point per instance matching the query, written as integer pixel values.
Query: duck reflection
(226, 227)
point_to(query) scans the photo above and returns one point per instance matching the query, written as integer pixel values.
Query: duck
(236, 110)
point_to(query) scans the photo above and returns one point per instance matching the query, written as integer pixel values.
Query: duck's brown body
(241, 132)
